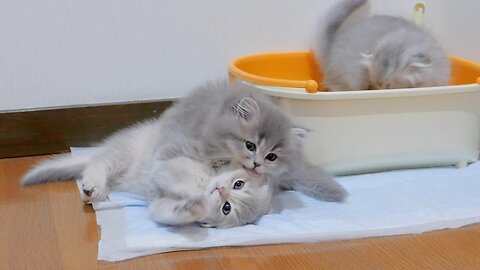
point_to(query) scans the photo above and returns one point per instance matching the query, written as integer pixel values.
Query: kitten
(219, 125)
(228, 199)
(184, 190)
(256, 135)
(381, 52)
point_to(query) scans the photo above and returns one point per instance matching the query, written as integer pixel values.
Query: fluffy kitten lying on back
(381, 52)
(182, 191)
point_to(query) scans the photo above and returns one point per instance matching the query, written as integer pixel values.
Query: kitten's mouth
(252, 170)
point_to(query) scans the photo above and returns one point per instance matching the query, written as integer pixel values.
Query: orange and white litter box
(372, 130)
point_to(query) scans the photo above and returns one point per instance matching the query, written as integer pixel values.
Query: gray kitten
(265, 140)
(381, 52)
(219, 126)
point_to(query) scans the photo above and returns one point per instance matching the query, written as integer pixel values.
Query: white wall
(75, 52)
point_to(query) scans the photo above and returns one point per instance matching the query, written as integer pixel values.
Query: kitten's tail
(60, 168)
(336, 16)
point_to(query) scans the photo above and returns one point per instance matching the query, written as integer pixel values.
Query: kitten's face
(236, 198)
(260, 139)
(392, 65)
(259, 155)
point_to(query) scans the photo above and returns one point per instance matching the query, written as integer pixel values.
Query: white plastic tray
(366, 131)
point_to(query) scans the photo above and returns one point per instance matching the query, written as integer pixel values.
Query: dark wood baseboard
(27, 133)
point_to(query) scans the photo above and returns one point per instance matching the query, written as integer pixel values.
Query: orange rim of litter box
(237, 69)
(298, 70)
(473, 67)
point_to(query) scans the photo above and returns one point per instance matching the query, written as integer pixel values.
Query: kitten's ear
(420, 60)
(413, 71)
(246, 108)
(367, 60)
(367, 54)
(298, 134)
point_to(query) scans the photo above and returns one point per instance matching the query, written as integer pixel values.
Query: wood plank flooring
(48, 227)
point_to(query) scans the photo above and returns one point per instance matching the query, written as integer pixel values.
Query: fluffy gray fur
(263, 123)
(381, 52)
(307, 178)
(210, 127)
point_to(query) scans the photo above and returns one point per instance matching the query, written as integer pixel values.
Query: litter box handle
(419, 13)
(311, 86)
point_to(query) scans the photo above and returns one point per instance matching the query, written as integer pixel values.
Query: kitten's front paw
(93, 193)
(196, 207)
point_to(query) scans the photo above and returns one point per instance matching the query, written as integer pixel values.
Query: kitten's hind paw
(331, 194)
(93, 193)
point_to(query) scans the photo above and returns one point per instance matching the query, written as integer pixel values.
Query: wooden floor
(48, 227)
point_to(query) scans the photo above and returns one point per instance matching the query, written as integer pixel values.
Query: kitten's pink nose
(255, 165)
(220, 190)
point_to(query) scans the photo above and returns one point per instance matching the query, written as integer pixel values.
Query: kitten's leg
(314, 182)
(171, 211)
(181, 176)
(94, 181)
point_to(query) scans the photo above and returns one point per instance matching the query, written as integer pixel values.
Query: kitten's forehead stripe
(261, 141)
(237, 137)
(277, 147)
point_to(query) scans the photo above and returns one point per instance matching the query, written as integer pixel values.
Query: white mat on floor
(387, 203)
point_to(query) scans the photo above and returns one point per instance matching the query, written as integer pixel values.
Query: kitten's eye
(271, 157)
(250, 146)
(226, 208)
(238, 185)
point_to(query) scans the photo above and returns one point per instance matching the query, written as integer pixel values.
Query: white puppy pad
(379, 204)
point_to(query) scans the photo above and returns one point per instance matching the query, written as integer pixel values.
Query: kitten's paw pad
(92, 193)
